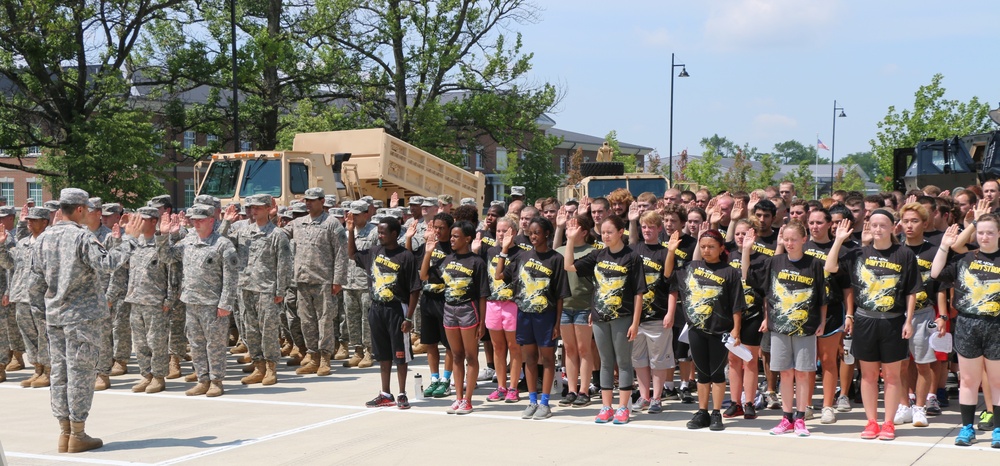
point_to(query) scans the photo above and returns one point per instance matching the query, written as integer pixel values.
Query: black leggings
(710, 356)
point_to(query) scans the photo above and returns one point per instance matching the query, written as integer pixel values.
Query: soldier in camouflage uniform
(146, 295)
(64, 268)
(320, 270)
(176, 316)
(341, 331)
(11, 345)
(121, 328)
(105, 358)
(31, 326)
(208, 291)
(264, 264)
(299, 354)
(357, 299)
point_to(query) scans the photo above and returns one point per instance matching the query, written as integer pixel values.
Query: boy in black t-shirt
(432, 302)
(394, 286)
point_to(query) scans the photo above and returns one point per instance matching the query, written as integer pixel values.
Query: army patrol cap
(148, 212)
(398, 213)
(38, 213)
(468, 201)
(517, 191)
(330, 200)
(7, 210)
(359, 207)
(96, 203)
(200, 211)
(345, 204)
(205, 199)
(284, 212)
(298, 208)
(368, 199)
(429, 202)
(337, 212)
(259, 200)
(382, 211)
(111, 208)
(446, 199)
(376, 219)
(314, 193)
(378, 204)
(499, 203)
(415, 200)
(162, 200)
(74, 196)
(52, 206)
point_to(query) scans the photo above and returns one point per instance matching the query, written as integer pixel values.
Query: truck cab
(601, 186)
(947, 164)
(285, 175)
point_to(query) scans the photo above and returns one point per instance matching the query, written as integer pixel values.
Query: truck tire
(602, 169)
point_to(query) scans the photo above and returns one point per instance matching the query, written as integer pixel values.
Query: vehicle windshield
(221, 179)
(601, 188)
(656, 186)
(262, 177)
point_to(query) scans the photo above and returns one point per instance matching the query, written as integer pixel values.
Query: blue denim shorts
(573, 317)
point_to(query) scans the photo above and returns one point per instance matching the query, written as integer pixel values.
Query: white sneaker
(904, 415)
(843, 404)
(920, 417)
(829, 415)
(810, 414)
(486, 374)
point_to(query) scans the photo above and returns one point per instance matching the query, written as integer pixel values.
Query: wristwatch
(943, 317)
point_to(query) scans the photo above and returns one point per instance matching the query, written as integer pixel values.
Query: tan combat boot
(342, 352)
(286, 347)
(215, 390)
(143, 383)
(26, 383)
(309, 367)
(238, 349)
(324, 364)
(192, 377)
(244, 359)
(157, 385)
(200, 389)
(367, 360)
(295, 357)
(174, 369)
(16, 361)
(257, 376)
(79, 440)
(103, 382)
(63, 435)
(307, 357)
(3, 374)
(119, 368)
(43, 380)
(359, 354)
(270, 376)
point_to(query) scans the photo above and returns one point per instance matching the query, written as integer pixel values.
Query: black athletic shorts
(682, 351)
(389, 343)
(879, 340)
(750, 330)
(432, 320)
(977, 336)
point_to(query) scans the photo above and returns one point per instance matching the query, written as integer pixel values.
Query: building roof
(572, 140)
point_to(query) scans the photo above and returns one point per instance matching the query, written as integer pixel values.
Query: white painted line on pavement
(71, 459)
(265, 438)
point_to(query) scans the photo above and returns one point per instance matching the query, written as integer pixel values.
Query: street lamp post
(833, 140)
(683, 74)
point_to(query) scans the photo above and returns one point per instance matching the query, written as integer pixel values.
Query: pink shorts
(501, 315)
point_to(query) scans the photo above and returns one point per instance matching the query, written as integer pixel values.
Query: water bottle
(418, 387)
(848, 356)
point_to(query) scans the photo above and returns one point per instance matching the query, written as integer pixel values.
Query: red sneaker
(871, 430)
(888, 431)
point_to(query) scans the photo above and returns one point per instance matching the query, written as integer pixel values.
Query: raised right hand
(844, 230)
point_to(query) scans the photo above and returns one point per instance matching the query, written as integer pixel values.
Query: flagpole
(816, 171)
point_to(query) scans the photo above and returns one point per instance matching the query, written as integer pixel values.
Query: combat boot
(240, 348)
(103, 382)
(342, 352)
(308, 357)
(418, 348)
(26, 383)
(192, 377)
(257, 376)
(3, 374)
(270, 376)
(324, 364)
(359, 354)
(43, 380)
(79, 441)
(367, 360)
(143, 383)
(215, 390)
(244, 359)
(63, 435)
(286, 347)
(119, 368)
(200, 389)
(16, 361)
(249, 368)
(157, 385)
(310, 367)
(174, 369)
(295, 357)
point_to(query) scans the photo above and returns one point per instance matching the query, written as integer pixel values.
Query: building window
(188, 192)
(7, 191)
(189, 139)
(34, 151)
(501, 156)
(245, 146)
(562, 164)
(211, 138)
(35, 192)
(479, 157)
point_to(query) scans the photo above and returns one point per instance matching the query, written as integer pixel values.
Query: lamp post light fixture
(682, 74)
(833, 141)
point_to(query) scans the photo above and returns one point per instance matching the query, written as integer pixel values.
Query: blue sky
(762, 71)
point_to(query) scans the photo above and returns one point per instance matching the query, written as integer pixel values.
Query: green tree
(533, 169)
(738, 177)
(804, 180)
(628, 161)
(866, 161)
(704, 170)
(794, 152)
(68, 94)
(848, 178)
(769, 168)
(722, 145)
(932, 116)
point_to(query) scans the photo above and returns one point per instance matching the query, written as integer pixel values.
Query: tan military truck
(352, 164)
(601, 186)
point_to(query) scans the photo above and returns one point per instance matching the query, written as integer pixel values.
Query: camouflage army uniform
(320, 261)
(30, 325)
(209, 269)
(236, 319)
(145, 293)
(357, 299)
(105, 356)
(121, 327)
(10, 337)
(264, 264)
(291, 305)
(64, 268)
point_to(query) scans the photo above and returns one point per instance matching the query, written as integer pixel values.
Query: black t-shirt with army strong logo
(434, 286)
(767, 245)
(753, 296)
(500, 290)
(925, 257)
(617, 277)
(392, 274)
(654, 302)
(975, 277)
(835, 284)
(464, 277)
(796, 294)
(539, 279)
(709, 295)
(882, 279)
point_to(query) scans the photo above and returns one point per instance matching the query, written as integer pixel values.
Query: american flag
(820, 145)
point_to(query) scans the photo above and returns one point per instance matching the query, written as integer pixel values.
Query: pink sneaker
(513, 396)
(464, 407)
(621, 416)
(605, 415)
(800, 428)
(454, 407)
(497, 394)
(783, 428)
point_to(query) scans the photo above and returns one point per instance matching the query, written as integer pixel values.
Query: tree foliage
(848, 178)
(628, 161)
(866, 161)
(932, 116)
(794, 152)
(703, 170)
(803, 178)
(533, 169)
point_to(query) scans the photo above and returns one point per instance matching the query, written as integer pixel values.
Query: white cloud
(767, 122)
(742, 24)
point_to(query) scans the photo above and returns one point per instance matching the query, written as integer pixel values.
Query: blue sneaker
(967, 436)
(996, 438)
